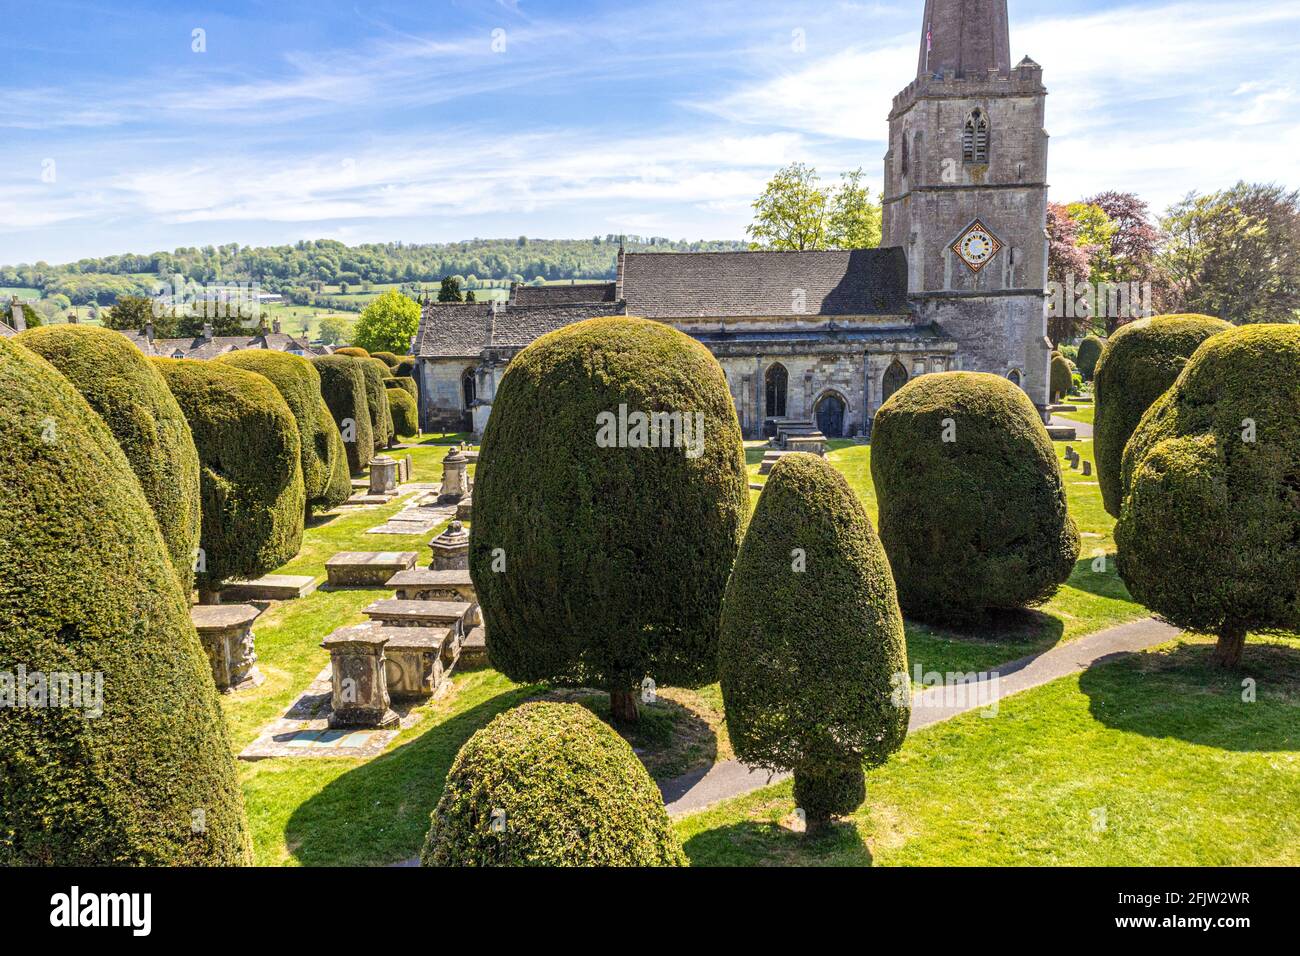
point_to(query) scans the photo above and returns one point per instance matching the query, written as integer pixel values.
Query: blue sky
(438, 121)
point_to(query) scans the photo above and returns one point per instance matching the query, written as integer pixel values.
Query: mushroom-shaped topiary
(133, 400)
(603, 536)
(343, 385)
(119, 748)
(1062, 377)
(1209, 537)
(299, 385)
(812, 647)
(388, 358)
(1090, 350)
(972, 506)
(1140, 361)
(405, 416)
(405, 384)
(352, 351)
(250, 470)
(549, 785)
(381, 423)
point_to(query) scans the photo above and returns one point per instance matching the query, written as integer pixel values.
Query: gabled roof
(660, 285)
(201, 348)
(464, 330)
(575, 294)
(5, 331)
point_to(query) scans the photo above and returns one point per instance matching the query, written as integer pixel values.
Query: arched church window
(1014, 376)
(778, 380)
(895, 378)
(905, 164)
(975, 138)
(468, 387)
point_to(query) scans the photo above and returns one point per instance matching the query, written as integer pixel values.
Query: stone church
(958, 283)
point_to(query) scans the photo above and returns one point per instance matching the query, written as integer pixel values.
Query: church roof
(966, 37)
(579, 292)
(739, 284)
(5, 331)
(463, 330)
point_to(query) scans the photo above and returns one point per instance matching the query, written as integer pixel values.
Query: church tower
(966, 192)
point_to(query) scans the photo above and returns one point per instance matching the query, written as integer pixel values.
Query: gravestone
(423, 584)
(358, 680)
(226, 631)
(455, 476)
(383, 475)
(417, 660)
(270, 587)
(367, 569)
(451, 549)
(1087, 469)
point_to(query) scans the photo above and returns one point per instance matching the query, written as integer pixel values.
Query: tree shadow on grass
(1003, 636)
(1178, 693)
(768, 843)
(379, 812)
(1107, 585)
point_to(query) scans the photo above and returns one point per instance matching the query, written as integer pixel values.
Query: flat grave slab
(425, 584)
(271, 587)
(398, 613)
(367, 569)
(473, 650)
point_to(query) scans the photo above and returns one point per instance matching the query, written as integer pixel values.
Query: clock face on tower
(976, 246)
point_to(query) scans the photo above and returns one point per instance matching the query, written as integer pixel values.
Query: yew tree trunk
(622, 706)
(1232, 642)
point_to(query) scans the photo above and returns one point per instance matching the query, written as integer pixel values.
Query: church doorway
(895, 378)
(830, 416)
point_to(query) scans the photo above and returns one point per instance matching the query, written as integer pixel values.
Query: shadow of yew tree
(1107, 584)
(1178, 693)
(1003, 636)
(768, 843)
(378, 813)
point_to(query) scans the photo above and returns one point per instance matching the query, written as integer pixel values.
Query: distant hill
(303, 270)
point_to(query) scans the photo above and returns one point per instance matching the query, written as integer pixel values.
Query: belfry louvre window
(975, 138)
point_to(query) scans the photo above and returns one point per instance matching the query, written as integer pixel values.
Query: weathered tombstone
(451, 549)
(455, 476)
(1069, 452)
(383, 475)
(1074, 463)
(1087, 469)
(416, 659)
(359, 682)
(226, 631)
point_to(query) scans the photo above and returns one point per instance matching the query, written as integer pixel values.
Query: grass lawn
(1083, 414)
(1154, 759)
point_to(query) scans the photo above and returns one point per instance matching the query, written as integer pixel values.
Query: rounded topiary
(1209, 536)
(1062, 377)
(352, 351)
(972, 506)
(87, 589)
(812, 646)
(381, 423)
(608, 564)
(1140, 361)
(1090, 350)
(565, 789)
(343, 385)
(299, 385)
(250, 469)
(339, 489)
(405, 384)
(388, 358)
(405, 416)
(133, 400)
(405, 368)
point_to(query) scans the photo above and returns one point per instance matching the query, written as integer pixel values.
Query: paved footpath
(731, 778)
(1082, 430)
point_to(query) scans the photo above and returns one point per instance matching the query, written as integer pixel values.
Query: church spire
(968, 37)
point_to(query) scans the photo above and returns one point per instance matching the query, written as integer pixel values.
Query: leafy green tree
(855, 221)
(795, 212)
(131, 312)
(333, 329)
(388, 324)
(450, 290)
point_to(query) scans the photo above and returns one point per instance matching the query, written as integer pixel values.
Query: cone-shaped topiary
(1209, 536)
(972, 506)
(1090, 350)
(343, 385)
(299, 385)
(1062, 377)
(812, 643)
(405, 416)
(133, 400)
(608, 563)
(250, 469)
(565, 789)
(121, 774)
(1140, 361)
(381, 423)
(352, 351)
(388, 358)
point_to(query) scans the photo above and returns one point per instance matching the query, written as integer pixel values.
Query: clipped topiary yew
(564, 789)
(1140, 361)
(405, 384)
(250, 470)
(405, 368)
(131, 397)
(381, 423)
(299, 385)
(405, 416)
(1090, 350)
(343, 386)
(388, 358)
(352, 351)
(608, 563)
(1209, 536)
(130, 764)
(972, 506)
(812, 642)
(1062, 377)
